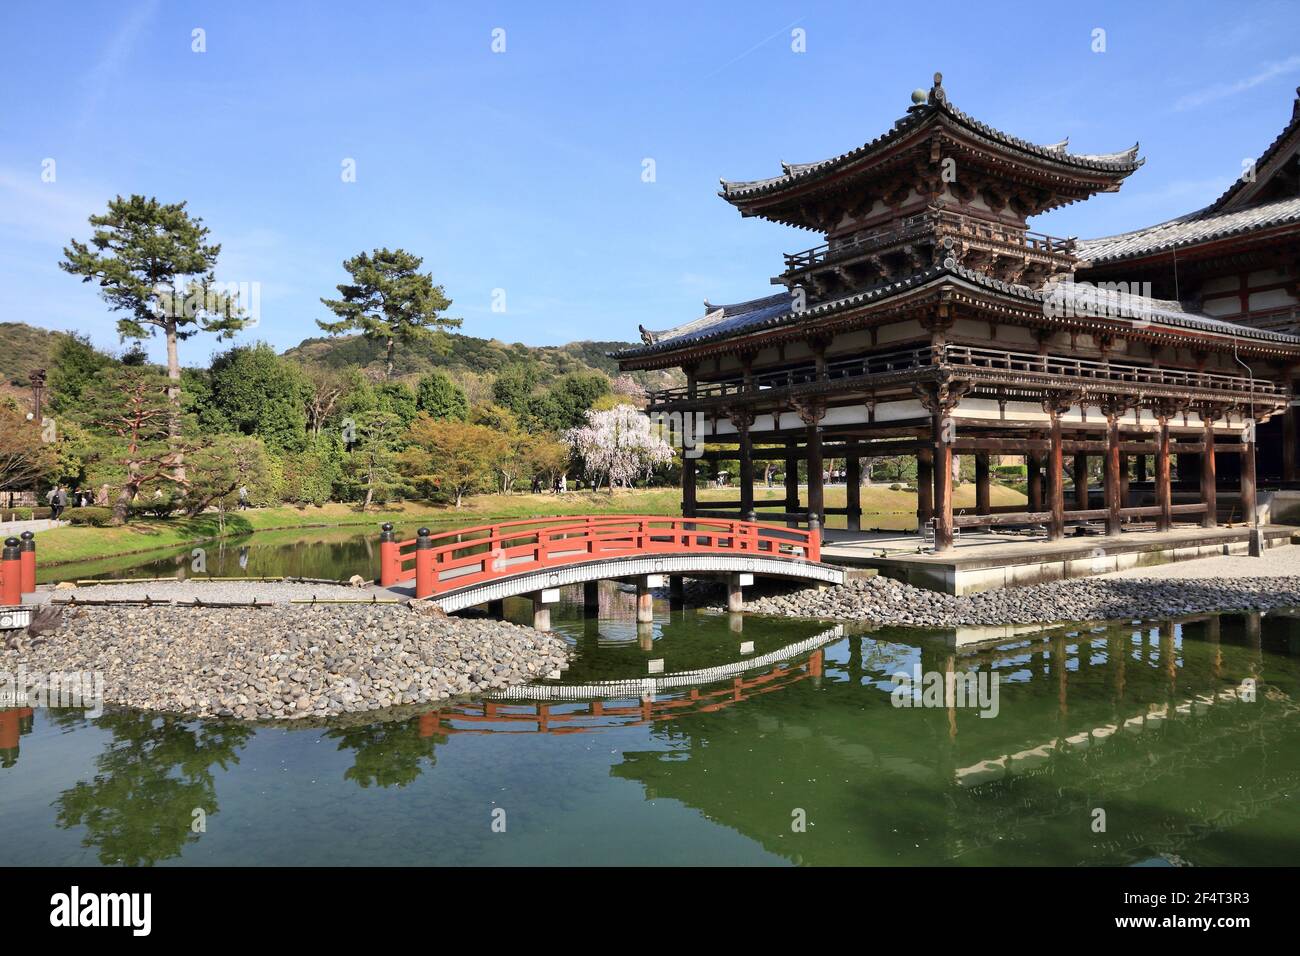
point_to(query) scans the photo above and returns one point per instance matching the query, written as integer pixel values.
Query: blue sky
(522, 170)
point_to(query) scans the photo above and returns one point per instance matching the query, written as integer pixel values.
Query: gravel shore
(266, 592)
(884, 601)
(287, 662)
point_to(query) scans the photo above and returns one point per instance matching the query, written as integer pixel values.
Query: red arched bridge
(537, 556)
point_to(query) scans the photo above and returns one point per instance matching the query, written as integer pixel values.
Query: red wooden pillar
(981, 482)
(1164, 494)
(1034, 481)
(27, 561)
(944, 433)
(1056, 481)
(1248, 473)
(1113, 502)
(924, 486)
(424, 571)
(1209, 491)
(1081, 482)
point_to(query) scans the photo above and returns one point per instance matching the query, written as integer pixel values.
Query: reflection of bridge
(485, 564)
(569, 709)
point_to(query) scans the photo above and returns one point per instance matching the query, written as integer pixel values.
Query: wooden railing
(452, 560)
(963, 357)
(939, 223)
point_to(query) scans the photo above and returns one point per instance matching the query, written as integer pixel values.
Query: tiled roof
(723, 322)
(1240, 183)
(1199, 226)
(1123, 162)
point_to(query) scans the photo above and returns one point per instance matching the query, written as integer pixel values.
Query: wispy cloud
(1221, 91)
(116, 54)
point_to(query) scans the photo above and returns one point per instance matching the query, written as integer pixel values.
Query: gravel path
(1275, 562)
(286, 662)
(266, 592)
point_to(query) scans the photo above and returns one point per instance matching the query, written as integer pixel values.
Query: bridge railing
(450, 560)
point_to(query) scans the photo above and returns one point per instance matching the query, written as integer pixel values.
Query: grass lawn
(882, 508)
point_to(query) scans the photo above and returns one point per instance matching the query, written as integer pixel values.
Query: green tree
(570, 397)
(371, 462)
(389, 300)
(153, 262)
(220, 470)
(514, 387)
(259, 393)
(75, 364)
(398, 399)
(441, 398)
(130, 405)
(456, 458)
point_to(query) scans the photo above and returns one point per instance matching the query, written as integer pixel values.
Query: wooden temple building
(930, 321)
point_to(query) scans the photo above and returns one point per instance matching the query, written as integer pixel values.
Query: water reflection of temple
(943, 785)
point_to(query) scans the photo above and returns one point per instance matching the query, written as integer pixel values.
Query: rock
(426, 609)
(357, 581)
(65, 586)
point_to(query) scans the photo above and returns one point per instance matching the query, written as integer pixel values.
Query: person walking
(58, 501)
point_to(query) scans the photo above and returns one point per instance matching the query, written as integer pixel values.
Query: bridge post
(497, 609)
(676, 591)
(11, 576)
(735, 591)
(645, 599)
(27, 560)
(591, 599)
(389, 562)
(424, 575)
(542, 600)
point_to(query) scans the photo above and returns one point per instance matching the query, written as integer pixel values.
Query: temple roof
(1248, 205)
(1241, 190)
(725, 322)
(936, 108)
(1200, 226)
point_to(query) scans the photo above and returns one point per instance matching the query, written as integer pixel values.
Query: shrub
(93, 517)
(1010, 471)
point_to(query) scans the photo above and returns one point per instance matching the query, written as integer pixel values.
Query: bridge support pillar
(645, 599)
(676, 591)
(542, 601)
(590, 598)
(497, 609)
(735, 591)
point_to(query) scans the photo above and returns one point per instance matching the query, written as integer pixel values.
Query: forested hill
(25, 347)
(468, 354)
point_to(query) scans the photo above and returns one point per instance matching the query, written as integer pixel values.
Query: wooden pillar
(1142, 467)
(688, 487)
(812, 416)
(981, 482)
(1164, 494)
(924, 486)
(742, 422)
(944, 432)
(1034, 480)
(591, 599)
(1113, 485)
(791, 480)
(853, 491)
(1248, 473)
(1056, 482)
(1123, 480)
(1209, 491)
(1081, 482)
(1289, 434)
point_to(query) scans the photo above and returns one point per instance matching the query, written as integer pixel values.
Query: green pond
(706, 739)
